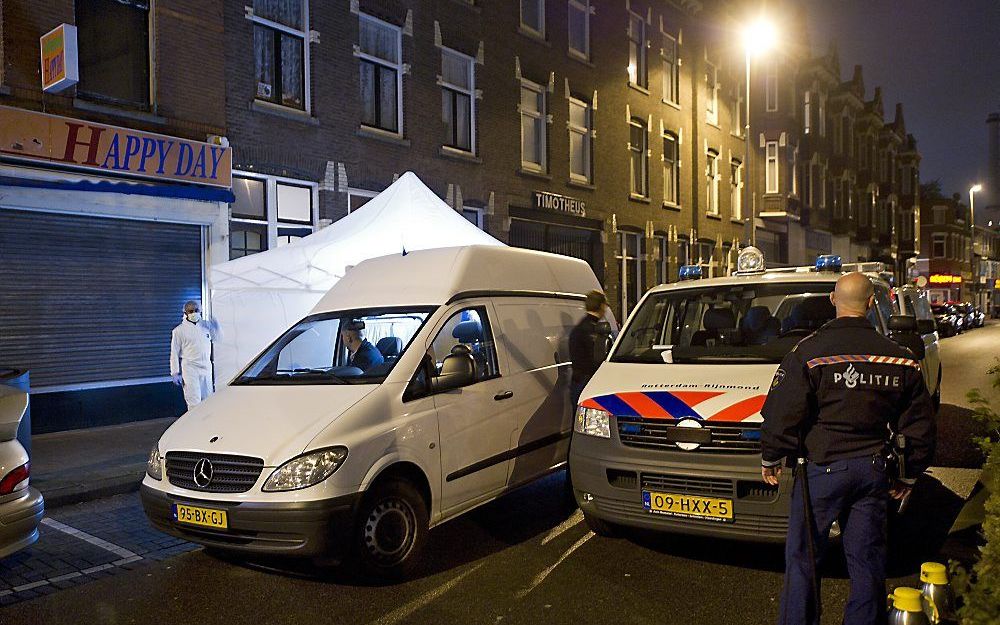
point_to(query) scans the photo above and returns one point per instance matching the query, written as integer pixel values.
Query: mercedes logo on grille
(203, 473)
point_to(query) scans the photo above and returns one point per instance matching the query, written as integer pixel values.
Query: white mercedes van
(304, 454)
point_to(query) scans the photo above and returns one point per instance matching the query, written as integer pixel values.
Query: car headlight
(306, 470)
(154, 465)
(593, 422)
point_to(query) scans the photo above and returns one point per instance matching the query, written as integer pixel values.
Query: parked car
(304, 454)
(949, 323)
(21, 505)
(913, 301)
(979, 316)
(964, 310)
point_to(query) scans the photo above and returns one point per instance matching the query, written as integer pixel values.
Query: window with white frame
(683, 252)
(475, 215)
(533, 126)
(671, 69)
(268, 212)
(703, 252)
(821, 114)
(711, 93)
(822, 186)
(807, 112)
(579, 28)
(356, 198)
(712, 182)
(793, 155)
(381, 62)
(771, 167)
(637, 72)
(638, 146)
(736, 188)
(771, 86)
(580, 128)
(938, 246)
(533, 16)
(838, 199)
(458, 101)
(738, 124)
(660, 243)
(280, 36)
(631, 255)
(671, 169)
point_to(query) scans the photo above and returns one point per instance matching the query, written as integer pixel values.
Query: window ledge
(737, 136)
(671, 104)
(533, 174)
(580, 184)
(639, 198)
(94, 107)
(579, 58)
(269, 108)
(714, 216)
(382, 135)
(713, 125)
(638, 88)
(537, 37)
(671, 206)
(461, 155)
(737, 220)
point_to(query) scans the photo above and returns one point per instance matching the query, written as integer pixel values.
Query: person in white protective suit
(191, 354)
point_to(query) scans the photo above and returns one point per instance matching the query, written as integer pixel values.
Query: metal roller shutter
(88, 299)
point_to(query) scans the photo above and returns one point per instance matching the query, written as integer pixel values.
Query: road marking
(402, 612)
(121, 552)
(541, 576)
(575, 518)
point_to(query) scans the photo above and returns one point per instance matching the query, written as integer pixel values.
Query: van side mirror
(926, 326)
(602, 341)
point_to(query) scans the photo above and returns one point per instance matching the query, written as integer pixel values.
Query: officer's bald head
(852, 295)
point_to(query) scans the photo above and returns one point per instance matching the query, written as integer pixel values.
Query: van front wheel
(391, 530)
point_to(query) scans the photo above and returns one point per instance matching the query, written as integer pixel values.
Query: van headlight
(593, 422)
(154, 465)
(306, 470)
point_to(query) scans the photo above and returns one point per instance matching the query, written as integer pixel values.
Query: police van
(667, 433)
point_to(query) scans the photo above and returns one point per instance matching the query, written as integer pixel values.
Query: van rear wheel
(391, 530)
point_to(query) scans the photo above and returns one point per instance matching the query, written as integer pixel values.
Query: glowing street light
(973, 190)
(759, 36)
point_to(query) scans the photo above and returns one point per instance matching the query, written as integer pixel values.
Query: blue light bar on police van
(689, 272)
(828, 262)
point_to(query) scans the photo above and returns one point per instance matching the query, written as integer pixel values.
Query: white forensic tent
(257, 297)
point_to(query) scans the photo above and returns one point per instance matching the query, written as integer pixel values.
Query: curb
(67, 494)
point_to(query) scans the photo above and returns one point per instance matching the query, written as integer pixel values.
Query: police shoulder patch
(779, 375)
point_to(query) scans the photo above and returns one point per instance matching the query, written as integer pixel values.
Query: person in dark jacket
(582, 340)
(363, 354)
(833, 401)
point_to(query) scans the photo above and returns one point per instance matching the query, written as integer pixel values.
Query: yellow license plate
(194, 515)
(687, 506)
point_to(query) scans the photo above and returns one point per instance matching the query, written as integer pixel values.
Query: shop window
(113, 39)
(533, 16)
(712, 182)
(458, 100)
(579, 28)
(671, 170)
(269, 212)
(580, 129)
(637, 73)
(631, 268)
(639, 157)
(671, 69)
(280, 33)
(533, 126)
(380, 59)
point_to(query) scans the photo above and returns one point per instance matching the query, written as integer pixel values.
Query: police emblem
(779, 375)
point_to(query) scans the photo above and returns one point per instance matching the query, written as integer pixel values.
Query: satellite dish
(921, 281)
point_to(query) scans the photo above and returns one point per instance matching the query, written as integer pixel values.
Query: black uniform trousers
(855, 491)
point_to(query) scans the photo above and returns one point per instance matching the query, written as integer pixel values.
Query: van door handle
(503, 395)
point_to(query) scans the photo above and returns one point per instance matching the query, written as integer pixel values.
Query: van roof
(436, 276)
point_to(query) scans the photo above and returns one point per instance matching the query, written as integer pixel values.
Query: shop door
(92, 300)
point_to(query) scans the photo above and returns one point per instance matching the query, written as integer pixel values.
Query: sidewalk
(79, 465)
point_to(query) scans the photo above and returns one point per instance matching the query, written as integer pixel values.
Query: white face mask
(194, 317)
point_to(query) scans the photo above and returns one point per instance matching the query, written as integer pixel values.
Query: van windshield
(351, 347)
(742, 323)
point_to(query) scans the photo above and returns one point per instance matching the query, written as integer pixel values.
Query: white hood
(270, 422)
(723, 393)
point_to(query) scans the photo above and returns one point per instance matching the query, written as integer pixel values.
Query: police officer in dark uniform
(582, 340)
(832, 401)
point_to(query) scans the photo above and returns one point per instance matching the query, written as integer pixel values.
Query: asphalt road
(525, 558)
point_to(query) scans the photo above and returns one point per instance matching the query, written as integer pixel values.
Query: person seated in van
(363, 354)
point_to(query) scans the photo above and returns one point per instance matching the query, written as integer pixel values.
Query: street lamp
(759, 36)
(973, 190)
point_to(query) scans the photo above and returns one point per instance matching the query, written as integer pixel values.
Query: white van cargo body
(458, 394)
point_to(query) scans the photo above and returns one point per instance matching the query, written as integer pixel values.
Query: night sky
(941, 59)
